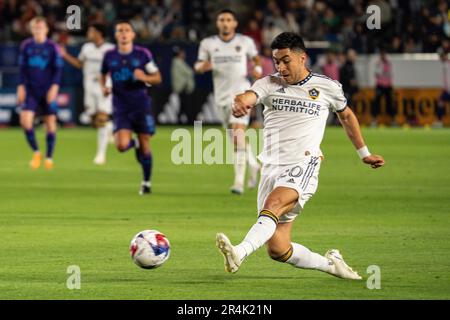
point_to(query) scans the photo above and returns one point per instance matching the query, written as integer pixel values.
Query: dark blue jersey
(129, 94)
(40, 65)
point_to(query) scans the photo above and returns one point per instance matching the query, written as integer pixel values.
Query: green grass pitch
(397, 218)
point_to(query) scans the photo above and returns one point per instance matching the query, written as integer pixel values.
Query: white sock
(147, 184)
(258, 235)
(102, 140)
(251, 159)
(304, 258)
(239, 167)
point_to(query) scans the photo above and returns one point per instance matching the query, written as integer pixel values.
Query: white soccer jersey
(295, 116)
(92, 57)
(229, 63)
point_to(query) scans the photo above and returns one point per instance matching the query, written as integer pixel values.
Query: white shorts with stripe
(302, 177)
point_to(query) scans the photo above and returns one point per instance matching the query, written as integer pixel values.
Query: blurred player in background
(444, 98)
(132, 69)
(384, 87)
(297, 104)
(40, 75)
(226, 55)
(98, 108)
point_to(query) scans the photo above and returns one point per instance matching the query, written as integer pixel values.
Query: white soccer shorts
(95, 101)
(302, 177)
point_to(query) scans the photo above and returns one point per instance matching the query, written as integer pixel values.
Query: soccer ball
(149, 249)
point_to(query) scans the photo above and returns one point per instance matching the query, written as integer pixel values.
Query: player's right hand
(240, 107)
(106, 91)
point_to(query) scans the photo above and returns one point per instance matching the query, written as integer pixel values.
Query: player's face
(290, 64)
(124, 33)
(226, 24)
(92, 34)
(39, 30)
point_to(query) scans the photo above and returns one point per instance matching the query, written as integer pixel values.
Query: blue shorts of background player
(39, 105)
(139, 121)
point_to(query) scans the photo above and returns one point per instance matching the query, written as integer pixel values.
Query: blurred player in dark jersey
(40, 75)
(132, 69)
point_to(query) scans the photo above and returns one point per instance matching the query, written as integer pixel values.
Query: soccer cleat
(237, 189)
(100, 160)
(35, 162)
(48, 164)
(231, 260)
(253, 177)
(145, 189)
(339, 268)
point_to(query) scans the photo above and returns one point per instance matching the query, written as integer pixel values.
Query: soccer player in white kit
(297, 103)
(97, 106)
(226, 55)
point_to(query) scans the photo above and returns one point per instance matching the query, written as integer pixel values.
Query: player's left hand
(374, 160)
(139, 74)
(52, 93)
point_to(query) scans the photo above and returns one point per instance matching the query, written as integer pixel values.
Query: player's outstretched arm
(244, 102)
(77, 63)
(351, 126)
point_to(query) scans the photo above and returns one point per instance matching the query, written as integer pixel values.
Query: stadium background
(411, 31)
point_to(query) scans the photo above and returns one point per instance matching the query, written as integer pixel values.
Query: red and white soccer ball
(149, 249)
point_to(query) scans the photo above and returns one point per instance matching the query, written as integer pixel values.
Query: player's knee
(24, 124)
(122, 146)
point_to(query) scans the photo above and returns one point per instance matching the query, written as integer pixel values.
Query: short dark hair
(101, 28)
(228, 11)
(125, 22)
(288, 40)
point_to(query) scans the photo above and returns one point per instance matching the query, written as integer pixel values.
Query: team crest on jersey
(313, 93)
(238, 48)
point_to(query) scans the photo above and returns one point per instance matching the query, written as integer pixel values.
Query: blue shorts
(39, 105)
(140, 121)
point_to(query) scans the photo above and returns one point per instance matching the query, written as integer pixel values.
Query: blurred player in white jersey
(98, 108)
(227, 54)
(297, 103)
